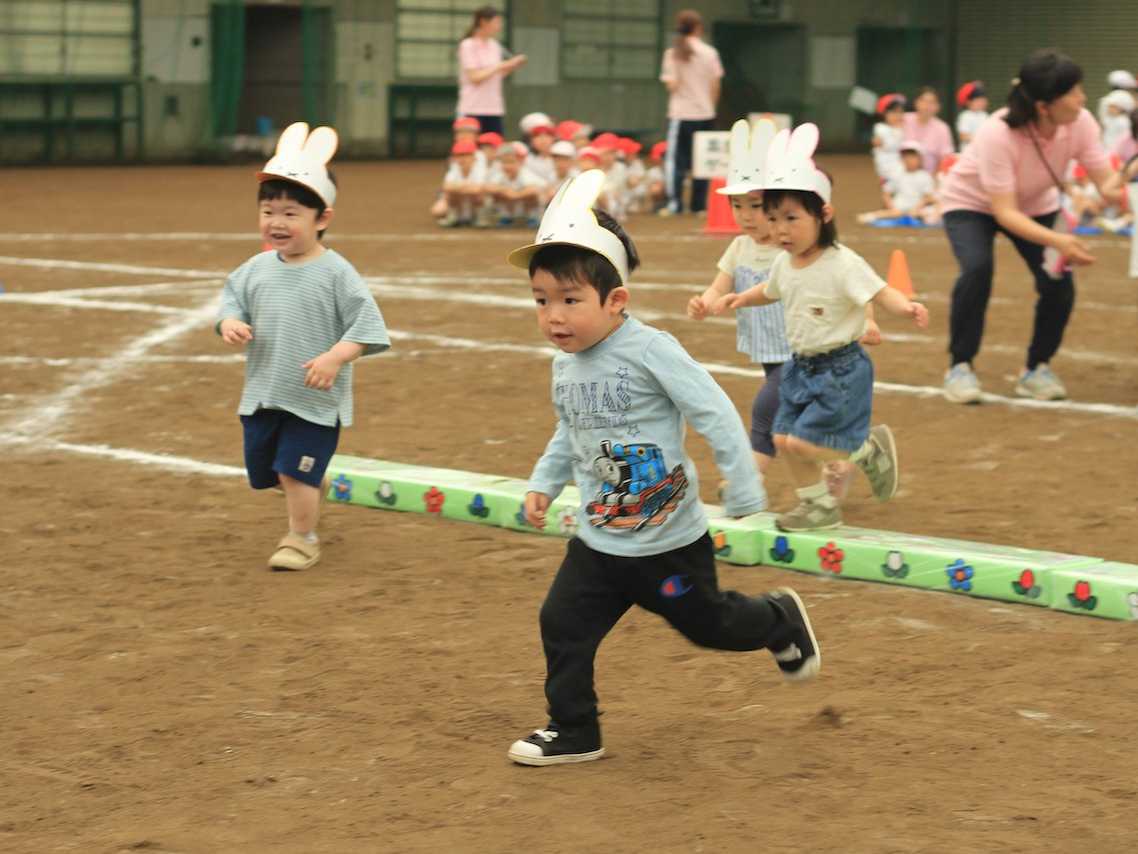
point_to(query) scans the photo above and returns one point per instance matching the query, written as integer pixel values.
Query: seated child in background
(463, 185)
(642, 535)
(654, 178)
(564, 154)
(575, 132)
(887, 138)
(515, 192)
(540, 136)
(1116, 107)
(465, 129)
(630, 151)
(1126, 147)
(974, 112)
(614, 196)
(488, 144)
(588, 158)
(1086, 207)
(910, 193)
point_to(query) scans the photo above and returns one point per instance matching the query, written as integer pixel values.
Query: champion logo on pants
(675, 585)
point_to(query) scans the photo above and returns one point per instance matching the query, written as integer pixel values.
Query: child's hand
(872, 334)
(536, 505)
(727, 301)
(919, 313)
(697, 308)
(235, 332)
(322, 371)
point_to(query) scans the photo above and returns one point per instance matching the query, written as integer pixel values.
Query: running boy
(622, 392)
(826, 397)
(304, 315)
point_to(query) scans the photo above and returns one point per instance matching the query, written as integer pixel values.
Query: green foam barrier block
(1107, 589)
(738, 541)
(958, 566)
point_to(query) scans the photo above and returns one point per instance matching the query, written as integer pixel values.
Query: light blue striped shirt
(297, 312)
(760, 330)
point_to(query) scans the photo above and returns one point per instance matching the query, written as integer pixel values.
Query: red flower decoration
(1027, 579)
(1082, 590)
(434, 499)
(831, 557)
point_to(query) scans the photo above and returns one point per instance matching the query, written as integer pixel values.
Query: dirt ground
(164, 692)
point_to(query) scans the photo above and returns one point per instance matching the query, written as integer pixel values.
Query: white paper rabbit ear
(790, 162)
(569, 221)
(747, 166)
(302, 158)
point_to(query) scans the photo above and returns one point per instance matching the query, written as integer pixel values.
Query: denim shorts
(278, 442)
(827, 399)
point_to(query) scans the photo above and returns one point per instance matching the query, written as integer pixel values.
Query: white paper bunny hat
(790, 162)
(569, 221)
(303, 159)
(747, 164)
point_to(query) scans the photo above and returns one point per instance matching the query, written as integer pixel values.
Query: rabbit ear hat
(747, 164)
(303, 158)
(790, 162)
(569, 221)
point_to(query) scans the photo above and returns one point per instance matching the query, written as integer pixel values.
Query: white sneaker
(961, 385)
(1041, 384)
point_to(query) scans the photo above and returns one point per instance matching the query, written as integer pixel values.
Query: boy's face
(464, 134)
(978, 103)
(541, 142)
(894, 115)
(465, 162)
(562, 165)
(510, 164)
(748, 212)
(490, 152)
(570, 313)
(911, 160)
(291, 228)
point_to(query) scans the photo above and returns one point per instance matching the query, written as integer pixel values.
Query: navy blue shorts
(278, 442)
(827, 399)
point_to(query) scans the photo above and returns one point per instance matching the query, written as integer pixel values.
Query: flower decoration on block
(831, 557)
(719, 541)
(1081, 596)
(434, 499)
(781, 552)
(567, 522)
(1025, 585)
(960, 575)
(1132, 604)
(342, 489)
(895, 566)
(386, 494)
(477, 507)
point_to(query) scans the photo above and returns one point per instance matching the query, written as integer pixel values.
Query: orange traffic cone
(719, 217)
(899, 274)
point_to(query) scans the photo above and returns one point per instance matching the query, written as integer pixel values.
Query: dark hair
(812, 203)
(482, 13)
(926, 90)
(281, 189)
(1134, 125)
(576, 263)
(687, 22)
(1047, 76)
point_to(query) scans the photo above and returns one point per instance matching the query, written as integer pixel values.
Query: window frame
(615, 14)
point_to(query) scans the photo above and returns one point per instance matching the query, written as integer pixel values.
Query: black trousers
(678, 162)
(972, 236)
(593, 590)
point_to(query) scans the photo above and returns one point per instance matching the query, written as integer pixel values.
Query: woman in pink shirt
(923, 126)
(1007, 181)
(691, 73)
(481, 70)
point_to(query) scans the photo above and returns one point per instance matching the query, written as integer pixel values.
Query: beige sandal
(295, 553)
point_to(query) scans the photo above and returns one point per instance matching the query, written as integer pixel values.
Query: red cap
(970, 90)
(549, 129)
(589, 153)
(490, 138)
(569, 129)
(467, 123)
(889, 100)
(464, 146)
(606, 142)
(658, 150)
(629, 146)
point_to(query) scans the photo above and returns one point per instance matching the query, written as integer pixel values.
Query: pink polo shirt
(485, 98)
(693, 100)
(1002, 159)
(935, 137)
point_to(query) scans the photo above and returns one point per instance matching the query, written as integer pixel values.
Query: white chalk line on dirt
(169, 462)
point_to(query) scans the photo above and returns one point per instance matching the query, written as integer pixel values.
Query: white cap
(535, 120)
(911, 145)
(1120, 98)
(563, 148)
(569, 221)
(1121, 79)
(302, 158)
(748, 156)
(790, 163)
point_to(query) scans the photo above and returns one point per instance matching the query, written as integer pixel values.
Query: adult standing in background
(692, 73)
(481, 70)
(1008, 181)
(922, 125)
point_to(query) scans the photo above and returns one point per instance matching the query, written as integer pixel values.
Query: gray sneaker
(809, 516)
(961, 385)
(880, 467)
(1041, 384)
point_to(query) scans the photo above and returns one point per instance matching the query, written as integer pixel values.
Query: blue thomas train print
(638, 488)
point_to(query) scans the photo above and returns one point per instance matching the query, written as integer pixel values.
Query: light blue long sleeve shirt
(622, 407)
